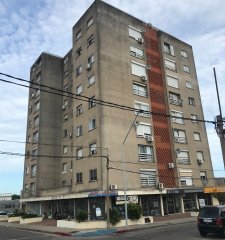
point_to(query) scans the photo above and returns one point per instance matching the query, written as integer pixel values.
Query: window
(140, 89)
(183, 53)
(142, 106)
(36, 106)
(34, 153)
(78, 34)
(65, 102)
(172, 81)
(197, 136)
(65, 149)
(90, 22)
(91, 124)
(79, 153)
(169, 49)
(79, 89)
(138, 70)
(65, 117)
(65, 74)
(79, 131)
(66, 88)
(33, 188)
(37, 92)
(91, 59)
(91, 80)
(175, 99)
(90, 40)
(135, 33)
(78, 52)
(188, 84)
(145, 153)
(38, 78)
(79, 177)
(65, 60)
(186, 69)
(136, 52)
(27, 170)
(79, 70)
(179, 136)
(148, 177)
(65, 133)
(91, 102)
(79, 110)
(36, 121)
(29, 139)
(186, 177)
(143, 129)
(93, 148)
(64, 167)
(191, 101)
(63, 183)
(33, 170)
(170, 65)
(35, 137)
(194, 118)
(177, 117)
(183, 157)
(93, 175)
(26, 187)
(200, 156)
(203, 175)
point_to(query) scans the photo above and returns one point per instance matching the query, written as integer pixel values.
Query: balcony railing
(142, 93)
(146, 157)
(176, 101)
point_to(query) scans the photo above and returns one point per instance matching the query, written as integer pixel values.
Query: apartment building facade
(126, 92)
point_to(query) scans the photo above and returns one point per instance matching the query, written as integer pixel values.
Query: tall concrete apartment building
(121, 74)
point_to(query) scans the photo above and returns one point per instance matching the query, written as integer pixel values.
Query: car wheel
(202, 233)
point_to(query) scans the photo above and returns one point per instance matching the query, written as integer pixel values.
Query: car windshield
(209, 212)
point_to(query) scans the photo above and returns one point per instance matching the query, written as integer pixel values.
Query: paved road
(186, 231)
(17, 234)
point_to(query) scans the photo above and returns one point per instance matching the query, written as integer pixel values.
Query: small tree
(134, 211)
(114, 216)
(81, 216)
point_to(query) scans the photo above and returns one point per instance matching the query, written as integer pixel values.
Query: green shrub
(134, 211)
(114, 216)
(81, 216)
(17, 213)
(29, 215)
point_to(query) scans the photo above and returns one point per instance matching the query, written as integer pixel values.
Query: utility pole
(220, 122)
(107, 192)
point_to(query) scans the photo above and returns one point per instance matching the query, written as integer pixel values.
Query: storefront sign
(202, 202)
(214, 189)
(130, 199)
(189, 190)
(103, 194)
(98, 212)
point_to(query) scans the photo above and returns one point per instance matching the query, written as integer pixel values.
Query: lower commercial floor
(153, 203)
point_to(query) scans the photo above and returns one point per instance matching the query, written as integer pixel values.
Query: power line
(87, 99)
(77, 158)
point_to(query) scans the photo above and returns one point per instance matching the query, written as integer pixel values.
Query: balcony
(176, 101)
(146, 157)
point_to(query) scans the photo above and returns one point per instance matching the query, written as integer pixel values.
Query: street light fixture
(124, 169)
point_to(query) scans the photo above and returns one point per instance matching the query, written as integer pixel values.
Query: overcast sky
(28, 28)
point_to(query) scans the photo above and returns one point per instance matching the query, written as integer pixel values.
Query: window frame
(93, 175)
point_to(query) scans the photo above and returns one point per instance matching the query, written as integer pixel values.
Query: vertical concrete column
(74, 208)
(196, 201)
(182, 203)
(89, 215)
(161, 205)
(40, 209)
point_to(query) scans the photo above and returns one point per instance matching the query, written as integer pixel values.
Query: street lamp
(124, 169)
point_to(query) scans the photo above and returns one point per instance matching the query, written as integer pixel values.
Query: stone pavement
(49, 226)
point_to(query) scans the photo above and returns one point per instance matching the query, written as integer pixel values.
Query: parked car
(3, 213)
(211, 219)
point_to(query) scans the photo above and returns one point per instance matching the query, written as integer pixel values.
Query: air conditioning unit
(63, 107)
(149, 139)
(143, 78)
(200, 161)
(160, 186)
(70, 135)
(140, 40)
(171, 165)
(113, 187)
(88, 66)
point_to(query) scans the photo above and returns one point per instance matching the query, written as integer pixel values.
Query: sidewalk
(49, 226)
